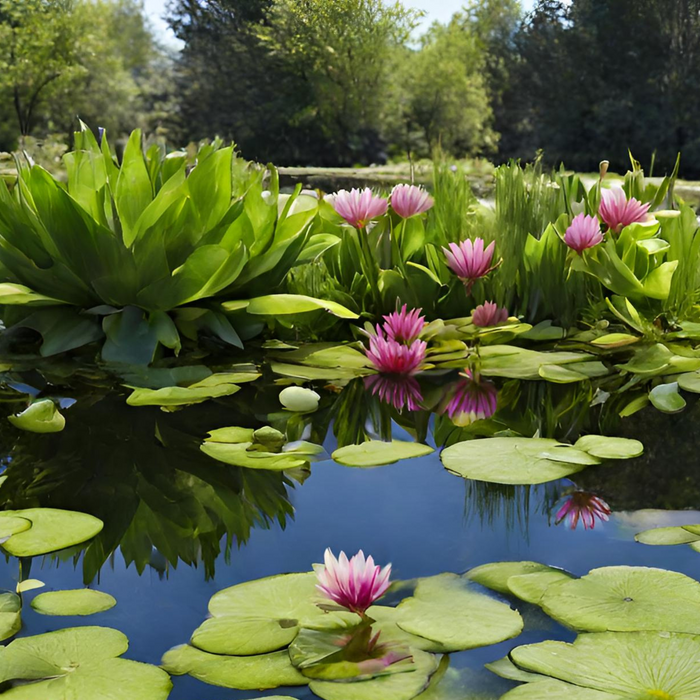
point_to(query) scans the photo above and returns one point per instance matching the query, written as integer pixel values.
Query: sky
(440, 10)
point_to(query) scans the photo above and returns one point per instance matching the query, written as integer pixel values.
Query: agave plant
(143, 252)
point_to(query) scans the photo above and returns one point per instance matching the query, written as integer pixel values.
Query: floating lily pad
(604, 447)
(41, 417)
(558, 690)
(12, 526)
(79, 663)
(505, 668)
(399, 686)
(261, 616)
(83, 601)
(495, 575)
(375, 453)
(447, 609)
(259, 672)
(683, 534)
(212, 387)
(518, 363)
(29, 584)
(515, 460)
(629, 665)
(690, 381)
(626, 598)
(10, 615)
(51, 530)
(532, 587)
(299, 399)
(449, 683)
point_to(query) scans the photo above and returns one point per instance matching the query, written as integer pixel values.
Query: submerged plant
(489, 314)
(583, 506)
(353, 583)
(470, 260)
(408, 201)
(359, 207)
(583, 233)
(616, 211)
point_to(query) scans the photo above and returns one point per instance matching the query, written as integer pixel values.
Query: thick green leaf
(10, 615)
(282, 304)
(604, 447)
(19, 294)
(214, 386)
(375, 453)
(82, 601)
(133, 192)
(666, 398)
(41, 417)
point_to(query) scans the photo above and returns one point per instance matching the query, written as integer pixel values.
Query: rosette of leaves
(138, 255)
(272, 632)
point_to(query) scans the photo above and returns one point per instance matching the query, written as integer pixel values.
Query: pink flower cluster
(470, 261)
(354, 583)
(395, 348)
(583, 506)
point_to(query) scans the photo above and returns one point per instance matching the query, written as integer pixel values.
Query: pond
(180, 526)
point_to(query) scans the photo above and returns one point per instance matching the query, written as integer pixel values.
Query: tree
(37, 48)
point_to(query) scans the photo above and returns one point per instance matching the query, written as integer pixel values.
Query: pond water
(180, 526)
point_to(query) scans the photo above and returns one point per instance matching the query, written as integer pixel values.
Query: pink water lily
(489, 314)
(353, 584)
(404, 326)
(400, 392)
(470, 261)
(359, 207)
(409, 200)
(583, 506)
(617, 211)
(471, 400)
(391, 357)
(583, 233)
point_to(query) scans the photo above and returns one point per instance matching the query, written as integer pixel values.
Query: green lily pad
(299, 399)
(448, 610)
(666, 398)
(212, 387)
(505, 668)
(82, 601)
(628, 665)
(399, 686)
(10, 615)
(495, 575)
(375, 453)
(683, 534)
(259, 672)
(626, 598)
(604, 447)
(514, 460)
(518, 363)
(558, 690)
(532, 587)
(51, 530)
(449, 683)
(12, 526)
(262, 616)
(79, 663)
(41, 417)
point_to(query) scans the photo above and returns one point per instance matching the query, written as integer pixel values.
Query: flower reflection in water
(471, 399)
(585, 507)
(401, 392)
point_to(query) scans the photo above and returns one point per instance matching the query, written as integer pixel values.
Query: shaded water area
(180, 525)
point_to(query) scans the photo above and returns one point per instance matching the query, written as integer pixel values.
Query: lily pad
(12, 526)
(79, 663)
(495, 575)
(261, 616)
(515, 460)
(10, 615)
(518, 363)
(629, 665)
(83, 601)
(532, 587)
(626, 598)
(666, 398)
(259, 672)
(51, 530)
(399, 686)
(299, 399)
(505, 668)
(683, 534)
(450, 683)
(604, 447)
(375, 453)
(558, 690)
(448, 610)
(41, 417)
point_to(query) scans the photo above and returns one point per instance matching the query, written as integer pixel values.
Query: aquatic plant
(617, 211)
(584, 507)
(583, 233)
(353, 583)
(404, 326)
(470, 260)
(408, 201)
(359, 207)
(489, 314)
(391, 357)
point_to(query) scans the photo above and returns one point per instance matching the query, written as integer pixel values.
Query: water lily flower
(583, 506)
(470, 261)
(391, 357)
(471, 400)
(399, 392)
(359, 207)
(617, 211)
(489, 314)
(409, 200)
(353, 584)
(404, 326)
(583, 233)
